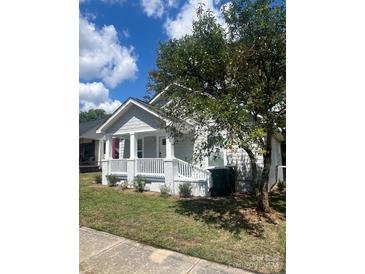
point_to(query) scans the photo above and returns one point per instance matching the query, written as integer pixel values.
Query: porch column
(170, 149)
(108, 144)
(104, 171)
(131, 165)
(105, 162)
(132, 146)
(169, 164)
(100, 151)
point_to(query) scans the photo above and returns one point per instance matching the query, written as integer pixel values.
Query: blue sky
(118, 43)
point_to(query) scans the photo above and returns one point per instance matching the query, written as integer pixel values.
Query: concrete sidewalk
(101, 252)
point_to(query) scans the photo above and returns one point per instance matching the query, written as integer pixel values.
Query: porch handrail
(189, 171)
(150, 166)
(118, 165)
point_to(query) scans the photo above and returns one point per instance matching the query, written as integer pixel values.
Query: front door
(162, 147)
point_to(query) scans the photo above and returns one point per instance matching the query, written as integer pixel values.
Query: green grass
(213, 229)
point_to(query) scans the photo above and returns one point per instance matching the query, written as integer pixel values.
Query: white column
(133, 147)
(131, 165)
(108, 148)
(170, 147)
(169, 164)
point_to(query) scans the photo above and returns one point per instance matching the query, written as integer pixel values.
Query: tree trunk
(263, 192)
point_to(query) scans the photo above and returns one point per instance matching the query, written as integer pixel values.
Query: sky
(118, 40)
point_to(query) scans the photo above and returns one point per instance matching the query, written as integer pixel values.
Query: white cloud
(183, 23)
(96, 96)
(109, 106)
(172, 3)
(102, 57)
(153, 8)
(94, 92)
(126, 33)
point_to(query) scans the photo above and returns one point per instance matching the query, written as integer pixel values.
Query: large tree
(230, 81)
(92, 114)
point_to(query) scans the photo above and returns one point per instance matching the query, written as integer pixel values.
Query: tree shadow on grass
(278, 202)
(228, 213)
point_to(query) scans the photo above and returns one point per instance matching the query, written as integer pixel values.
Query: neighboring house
(136, 144)
(90, 150)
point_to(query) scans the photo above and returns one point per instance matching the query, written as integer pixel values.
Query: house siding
(149, 148)
(240, 161)
(184, 148)
(135, 119)
(276, 160)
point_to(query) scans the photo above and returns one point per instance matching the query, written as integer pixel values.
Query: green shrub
(97, 179)
(281, 186)
(185, 189)
(112, 180)
(139, 184)
(164, 191)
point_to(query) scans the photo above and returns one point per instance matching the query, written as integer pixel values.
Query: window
(216, 158)
(140, 148)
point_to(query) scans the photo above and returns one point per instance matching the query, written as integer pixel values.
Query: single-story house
(133, 142)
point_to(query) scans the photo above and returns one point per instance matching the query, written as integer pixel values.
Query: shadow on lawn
(227, 212)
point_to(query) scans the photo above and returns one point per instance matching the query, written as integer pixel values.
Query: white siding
(149, 147)
(127, 147)
(275, 160)
(184, 148)
(135, 119)
(239, 160)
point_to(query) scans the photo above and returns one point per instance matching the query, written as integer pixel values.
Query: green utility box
(223, 181)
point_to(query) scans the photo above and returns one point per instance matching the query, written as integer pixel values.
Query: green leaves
(92, 114)
(228, 80)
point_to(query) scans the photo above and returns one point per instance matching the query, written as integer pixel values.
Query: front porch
(125, 157)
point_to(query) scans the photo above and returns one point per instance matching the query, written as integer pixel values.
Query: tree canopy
(230, 80)
(92, 114)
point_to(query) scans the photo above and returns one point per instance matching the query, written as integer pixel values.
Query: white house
(136, 144)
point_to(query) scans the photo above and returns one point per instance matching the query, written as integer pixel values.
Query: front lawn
(225, 230)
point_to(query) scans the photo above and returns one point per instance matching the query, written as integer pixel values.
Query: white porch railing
(188, 171)
(150, 167)
(118, 166)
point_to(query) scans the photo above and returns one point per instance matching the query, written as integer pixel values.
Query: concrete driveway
(101, 252)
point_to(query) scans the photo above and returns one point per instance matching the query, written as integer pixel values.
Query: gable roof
(120, 110)
(88, 126)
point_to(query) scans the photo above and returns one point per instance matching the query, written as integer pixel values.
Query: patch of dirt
(252, 215)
